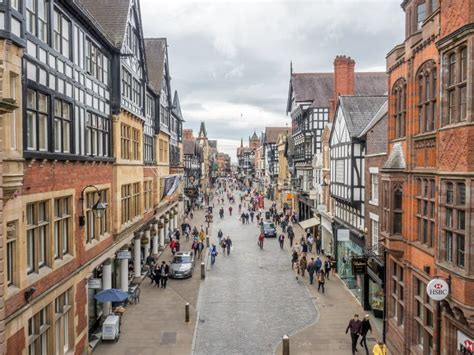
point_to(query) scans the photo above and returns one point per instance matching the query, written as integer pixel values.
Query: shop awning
(309, 223)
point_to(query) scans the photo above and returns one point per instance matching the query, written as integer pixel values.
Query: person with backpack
(213, 253)
(321, 280)
(318, 264)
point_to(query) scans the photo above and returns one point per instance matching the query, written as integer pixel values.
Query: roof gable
(271, 133)
(177, 107)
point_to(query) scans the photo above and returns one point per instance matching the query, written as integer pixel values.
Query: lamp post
(98, 208)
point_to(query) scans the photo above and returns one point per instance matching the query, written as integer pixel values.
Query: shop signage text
(94, 283)
(125, 254)
(359, 266)
(437, 289)
(465, 344)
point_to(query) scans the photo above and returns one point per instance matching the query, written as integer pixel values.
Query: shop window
(62, 227)
(453, 225)
(37, 241)
(399, 109)
(96, 227)
(455, 87)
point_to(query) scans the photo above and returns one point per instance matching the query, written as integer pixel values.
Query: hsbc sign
(437, 289)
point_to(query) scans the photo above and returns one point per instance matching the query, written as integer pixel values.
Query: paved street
(251, 298)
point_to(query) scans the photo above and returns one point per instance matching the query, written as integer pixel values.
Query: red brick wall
(81, 346)
(81, 301)
(455, 14)
(16, 343)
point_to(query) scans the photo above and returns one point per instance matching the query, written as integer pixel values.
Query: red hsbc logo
(438, 286)
(469, 345)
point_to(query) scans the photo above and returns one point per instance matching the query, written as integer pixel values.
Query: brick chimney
(343, 78)
(188, 133)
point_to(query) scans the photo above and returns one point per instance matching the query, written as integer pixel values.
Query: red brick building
(427, 180)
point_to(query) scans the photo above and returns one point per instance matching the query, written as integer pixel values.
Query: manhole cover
(168, 338)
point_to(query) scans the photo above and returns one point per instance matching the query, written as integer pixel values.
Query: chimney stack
(188, 134)
(343, 78)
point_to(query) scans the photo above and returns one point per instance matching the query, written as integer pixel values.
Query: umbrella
(111, 295)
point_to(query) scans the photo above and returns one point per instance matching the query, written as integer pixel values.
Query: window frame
(37, 236)
(426, 210)
(62, 227)
(399, 96)
(427, 96)
(96, 227)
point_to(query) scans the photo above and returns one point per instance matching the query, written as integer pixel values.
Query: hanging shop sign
(94, 283)
(465, 344)
(359, 266)
(343, 235)
(437, 289)
(125, 254)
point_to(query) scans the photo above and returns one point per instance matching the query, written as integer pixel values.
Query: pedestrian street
(251, 298)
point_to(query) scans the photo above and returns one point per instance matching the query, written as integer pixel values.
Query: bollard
(286, 345)
(207, 242)
(186, 312)
(203, 271)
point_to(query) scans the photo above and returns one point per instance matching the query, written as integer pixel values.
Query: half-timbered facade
(347, 182)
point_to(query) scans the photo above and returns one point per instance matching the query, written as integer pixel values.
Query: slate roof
(318, 88)
(359, 110)
(112, 16)
(396, 159)
(177, 107)
(202, 131)
(382, 112)
(155, 49)
(271, 133)
(189, 146)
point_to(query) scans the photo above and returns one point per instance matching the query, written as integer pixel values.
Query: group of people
(157, 273)
(357, 328)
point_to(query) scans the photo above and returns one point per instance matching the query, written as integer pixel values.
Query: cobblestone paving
(251, 298)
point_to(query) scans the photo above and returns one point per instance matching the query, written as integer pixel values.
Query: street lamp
(98, 208)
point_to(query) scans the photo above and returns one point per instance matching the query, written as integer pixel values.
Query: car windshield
(182, 259)
(269, 226)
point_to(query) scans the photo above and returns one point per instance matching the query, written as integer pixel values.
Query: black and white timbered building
(347, 180)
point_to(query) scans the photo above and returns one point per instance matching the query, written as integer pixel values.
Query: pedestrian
(310, 241)
(202, 235)
(327, 267)
(365, 328)
(317, 265)
(213, 253)
(252, 214)
(355, 327)
(294, 258)
(157, 276)
(220, 235)
(321, 280)
(261, 238)
(200, 248)
(333, 265)
(310, 269)
(281, 240)
(173, 246)
(379, 349)
(318, 245)
(228, 243)
(223, 246)
(177, 235)
(291, 236)
(230, 211)
(303, 265)
(164, 271)
(304, 247)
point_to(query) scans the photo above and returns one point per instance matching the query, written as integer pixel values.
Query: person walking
(213, 253)
(202, 235)
(304, 247)
(220, 234)
(310, 242)
(333, 265)
(318, 245)
(281, 240)
(261, 238)
(230, 211)
(365, 328)
(354, 327)
(379, 349)
(294, 259)
(303, 265)
(173, 246)
(311, 271)
(228, 243)
(291, 236)
(327, 267)
(200, 248)
(164, 271)
(223, 246)
(321, 280)
(318, 264)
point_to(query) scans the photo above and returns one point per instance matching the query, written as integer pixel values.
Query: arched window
(455, 87)
(427, 91)
(399, 112)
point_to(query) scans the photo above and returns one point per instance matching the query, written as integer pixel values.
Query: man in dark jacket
(164, 271)
(354, 326)
(365, 327)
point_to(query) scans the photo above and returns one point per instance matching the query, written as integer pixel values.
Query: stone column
(162, 235)
(107, 282)
(148, 246)
(137, 267)
(155, 239)
(124, 275)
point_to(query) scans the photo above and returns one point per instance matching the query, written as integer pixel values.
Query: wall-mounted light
(98, 208)
(29, 293)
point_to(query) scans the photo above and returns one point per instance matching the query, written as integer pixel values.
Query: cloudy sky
(230, 60)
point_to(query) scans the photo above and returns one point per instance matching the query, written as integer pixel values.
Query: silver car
(182, 265)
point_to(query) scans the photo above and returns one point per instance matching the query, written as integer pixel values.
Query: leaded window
(427, 92)
(399, 108)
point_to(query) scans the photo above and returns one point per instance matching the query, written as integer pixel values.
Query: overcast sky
(230, 60)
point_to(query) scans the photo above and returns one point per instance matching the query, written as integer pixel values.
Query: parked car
(182, 265)
(269, 229)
